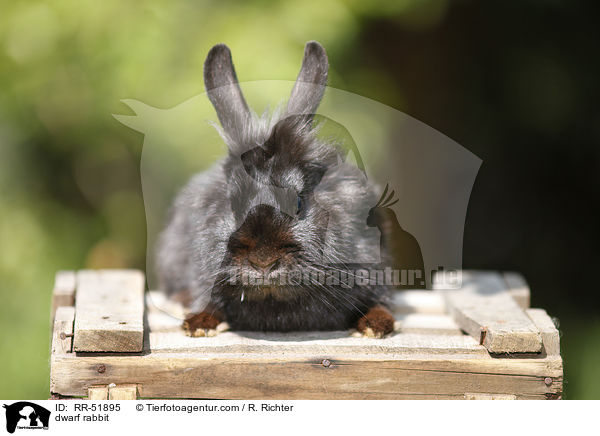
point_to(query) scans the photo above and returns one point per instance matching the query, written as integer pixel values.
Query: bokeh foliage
(69, 172)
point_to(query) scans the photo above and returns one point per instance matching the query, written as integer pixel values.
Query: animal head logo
(26, 415)
(432, 175)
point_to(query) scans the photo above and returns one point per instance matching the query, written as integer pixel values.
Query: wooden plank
(418, 301)
(157, 302)
(549, 332)
(478, 396)
(113, 392)
(429, 324)
(122, 392)
(109, 311)
(98, 393)
(62, 334)
(63, 293)
(484, 309)
(316, 376)
(518, 288)
(326, 343)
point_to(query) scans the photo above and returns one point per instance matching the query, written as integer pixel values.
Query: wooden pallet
(110, 340)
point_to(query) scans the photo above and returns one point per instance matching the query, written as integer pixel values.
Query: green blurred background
(514, 82)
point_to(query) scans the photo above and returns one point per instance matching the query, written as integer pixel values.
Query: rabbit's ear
(224, 90)
(311, 81)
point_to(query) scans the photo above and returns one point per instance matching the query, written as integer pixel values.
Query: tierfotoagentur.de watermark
(345, 277)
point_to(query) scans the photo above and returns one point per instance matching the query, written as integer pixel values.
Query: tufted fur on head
(282, 200)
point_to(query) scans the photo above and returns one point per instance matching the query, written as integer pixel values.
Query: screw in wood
(101, 369)
(64, 335)
(548, 381)
(326, 363)
(482, 335)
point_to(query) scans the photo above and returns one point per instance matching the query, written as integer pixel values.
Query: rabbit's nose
(264, 264)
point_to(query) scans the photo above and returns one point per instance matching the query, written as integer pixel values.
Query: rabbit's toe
(376, 323)
(203, 324)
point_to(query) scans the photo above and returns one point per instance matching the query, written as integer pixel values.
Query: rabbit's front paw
(204, 324)
(376, 323)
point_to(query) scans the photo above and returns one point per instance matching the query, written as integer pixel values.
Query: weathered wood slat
(109, 311)
(113, 392)
(477, 396)
(549, 332)
(518, 288)
(98, 393)
(63, 293)
(62, 336)
(418, 301)
(122, 392)
(485, 310)
(424, 323)
(242, 376)
(325, 343)
(62, 333)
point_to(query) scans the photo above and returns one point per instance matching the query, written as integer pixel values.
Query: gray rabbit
(282, 201)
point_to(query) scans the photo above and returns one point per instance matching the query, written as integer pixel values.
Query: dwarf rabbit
(282, 201)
